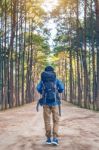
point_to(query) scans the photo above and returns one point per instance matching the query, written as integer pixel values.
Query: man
(50, 87)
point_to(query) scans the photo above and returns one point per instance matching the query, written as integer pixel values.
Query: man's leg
(47, 120)
(55, 113)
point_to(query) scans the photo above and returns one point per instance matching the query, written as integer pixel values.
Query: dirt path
(23, 129)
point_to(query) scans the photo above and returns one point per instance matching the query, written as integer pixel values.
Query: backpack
(50, 92)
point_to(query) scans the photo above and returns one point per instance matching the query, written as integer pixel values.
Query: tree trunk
(97, 44)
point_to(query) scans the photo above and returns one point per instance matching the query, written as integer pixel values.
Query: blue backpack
(50, 92)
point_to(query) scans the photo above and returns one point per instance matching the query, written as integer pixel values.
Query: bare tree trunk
(78, 65)
(71, 78)
(97, 42)
(13, 29)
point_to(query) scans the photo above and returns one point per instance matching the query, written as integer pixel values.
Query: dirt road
(23, 129)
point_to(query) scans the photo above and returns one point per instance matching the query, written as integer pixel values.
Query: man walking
(50, 87)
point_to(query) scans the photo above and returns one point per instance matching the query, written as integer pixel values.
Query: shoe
(55, 141)
(48, 141)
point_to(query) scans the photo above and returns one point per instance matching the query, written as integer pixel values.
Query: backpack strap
(43, 92)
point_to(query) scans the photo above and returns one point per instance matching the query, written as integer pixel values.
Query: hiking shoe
(55, 141)
(48, 141)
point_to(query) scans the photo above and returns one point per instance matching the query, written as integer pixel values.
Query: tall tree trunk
(78, 66)
(97, 42)
(13, 29)
(86, 83)
(71, 78)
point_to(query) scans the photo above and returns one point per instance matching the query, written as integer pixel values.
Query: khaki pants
(47, 111)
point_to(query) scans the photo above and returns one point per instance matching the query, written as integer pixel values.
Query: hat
(49, 68)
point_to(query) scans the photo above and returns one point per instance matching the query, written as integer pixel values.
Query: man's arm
(60, 86)
(39, 87)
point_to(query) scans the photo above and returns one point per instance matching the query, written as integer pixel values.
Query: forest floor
(22, 128)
